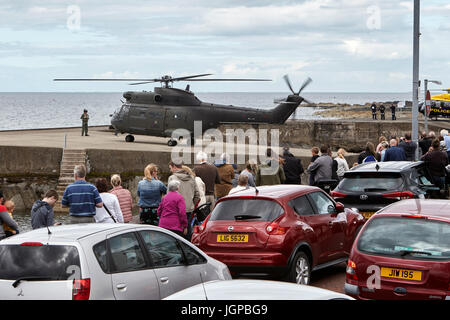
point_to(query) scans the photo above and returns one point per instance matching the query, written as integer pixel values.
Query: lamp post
(426, 99)
(415, 91)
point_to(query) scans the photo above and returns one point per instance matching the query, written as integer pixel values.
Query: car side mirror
(340, 207)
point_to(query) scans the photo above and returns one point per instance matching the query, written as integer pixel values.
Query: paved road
(332, 278)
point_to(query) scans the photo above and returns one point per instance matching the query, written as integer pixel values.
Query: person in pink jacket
(172, 211)
(124, 197)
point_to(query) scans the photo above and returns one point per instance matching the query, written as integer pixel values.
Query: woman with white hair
(172, 210)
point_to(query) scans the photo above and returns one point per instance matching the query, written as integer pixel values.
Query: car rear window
(371, 182)
(247, 209)
(55, 262)
(408, 237)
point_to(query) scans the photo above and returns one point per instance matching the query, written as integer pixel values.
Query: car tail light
(335, 194)
(31, 244)
(200, 228)
(350, 272)
(81, 289)
(402, 195)
(275, 229)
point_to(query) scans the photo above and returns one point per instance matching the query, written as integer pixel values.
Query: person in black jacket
(436, 161)
(292, 168)
(373, 107)
(382, 109)
(42, 211)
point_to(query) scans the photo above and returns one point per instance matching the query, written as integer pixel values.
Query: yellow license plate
(401, 274)
(232, 237)
(367, 215)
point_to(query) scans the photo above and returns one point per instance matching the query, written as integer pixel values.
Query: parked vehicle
(255, 290)
(403, 252)
(374, 185)
(283, 230)
(102, 261)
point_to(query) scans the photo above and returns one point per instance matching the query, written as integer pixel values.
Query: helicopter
(440, 105)
(166, 109)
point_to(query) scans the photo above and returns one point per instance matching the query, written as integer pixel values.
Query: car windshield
(58, 262)
(247, 209)
(404, 236)
(367, 182)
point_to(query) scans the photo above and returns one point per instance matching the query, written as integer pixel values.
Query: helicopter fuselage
(161, 112)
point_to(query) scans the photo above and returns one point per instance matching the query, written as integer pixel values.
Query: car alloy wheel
(301, 271)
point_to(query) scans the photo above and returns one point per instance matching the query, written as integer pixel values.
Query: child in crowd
(10, 205)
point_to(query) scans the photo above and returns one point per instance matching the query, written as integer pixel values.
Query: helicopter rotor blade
(190, 77)
(145, 82)
(106, 80)
(228, 80)
(288, 82)
(304, 85)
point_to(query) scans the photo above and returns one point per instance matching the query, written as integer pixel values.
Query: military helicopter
(166, 109)
(440, 105)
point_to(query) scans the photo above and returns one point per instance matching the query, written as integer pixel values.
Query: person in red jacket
(124, 197)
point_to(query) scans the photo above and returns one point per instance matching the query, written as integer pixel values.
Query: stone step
(72, 162)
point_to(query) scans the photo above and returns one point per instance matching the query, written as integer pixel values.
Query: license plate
(367, 215)
(401, 274)
(232, 237)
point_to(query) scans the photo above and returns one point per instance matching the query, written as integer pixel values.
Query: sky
(343, 45)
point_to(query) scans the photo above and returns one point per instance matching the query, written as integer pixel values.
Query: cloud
(376, 50)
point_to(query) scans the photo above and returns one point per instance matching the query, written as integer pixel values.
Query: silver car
(102, 261)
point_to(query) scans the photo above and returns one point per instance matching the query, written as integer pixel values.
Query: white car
(255, 290)
(102, 261)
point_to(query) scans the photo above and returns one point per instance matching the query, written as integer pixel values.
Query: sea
(37, 110)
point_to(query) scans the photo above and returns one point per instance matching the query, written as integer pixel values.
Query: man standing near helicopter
(84, 123)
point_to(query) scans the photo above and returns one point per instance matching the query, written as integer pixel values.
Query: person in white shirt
(111, 202)
(342, 165)
(242, 184)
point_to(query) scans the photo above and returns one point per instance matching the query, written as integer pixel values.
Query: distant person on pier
(84, 123)
(110, 212)
(81, 198)
(42, 211)
(382, 109)
(393, 112)
(5, 219)
(124, 197)
(149, 192)
(373, 107)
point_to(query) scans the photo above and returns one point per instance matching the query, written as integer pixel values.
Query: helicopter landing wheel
(129, 138)
(172, 143)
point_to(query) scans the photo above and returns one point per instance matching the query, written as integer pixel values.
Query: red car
(283, 230)
(403, 252)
